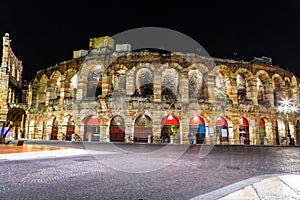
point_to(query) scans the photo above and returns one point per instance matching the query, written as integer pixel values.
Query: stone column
(252, 92)
(157, 86)
(232, 90)
(184, 89)
(157, 124)
(105, 84)
(210, 82)
(62, 90)
(81, 89)
(130, 83)
(269, 94)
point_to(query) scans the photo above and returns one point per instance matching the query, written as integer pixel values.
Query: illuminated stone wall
(207, 87)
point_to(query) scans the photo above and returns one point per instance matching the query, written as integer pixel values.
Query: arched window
(169, 85)
(142, 128)
(117, 129)
(262, 130)
(170, 127)
(241, 88)
(144, 82)
(196, 89)
(277, 91)
(197, 129)
(94, 86)
(244, 130)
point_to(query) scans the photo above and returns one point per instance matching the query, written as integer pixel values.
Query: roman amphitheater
(107, 95)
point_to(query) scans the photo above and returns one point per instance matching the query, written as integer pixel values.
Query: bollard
(171, 139)
(149, 139)
(73, 137)
(90, 137)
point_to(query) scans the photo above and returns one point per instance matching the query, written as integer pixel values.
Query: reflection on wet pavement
(13, 148)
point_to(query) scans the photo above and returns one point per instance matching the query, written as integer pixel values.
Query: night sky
(44, 32)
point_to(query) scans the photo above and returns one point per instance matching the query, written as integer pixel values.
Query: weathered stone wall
(129, 106)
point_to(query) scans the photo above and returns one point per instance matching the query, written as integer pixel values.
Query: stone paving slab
(266, 187)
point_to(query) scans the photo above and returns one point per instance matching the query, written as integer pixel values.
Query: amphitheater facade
(104, 95)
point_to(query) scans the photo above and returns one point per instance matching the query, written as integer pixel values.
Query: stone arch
(33, 91)
(91, 128)
(17, 117)
(94, 82)
(68, 127)
(262, 134)
(116, 74)
(197, 128)
(117, 129)
(170, 85)
(53, 123)
(202, 68)
(222, 129)
(288, 88)
(222, 84)
(242, 80)
(144, 79)
(42, 89)
(71, 82)
(263, 88)
(244, 129)
(170, 128)
(90, 70)
(142, 128)
(54, 85)
(196, 84)
(177, 67)
(277, 91)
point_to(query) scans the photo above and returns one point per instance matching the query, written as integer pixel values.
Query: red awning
(170, 120)
(196, 120)
(93, 120)
(221, 122)
(244, 122)
(261, 122)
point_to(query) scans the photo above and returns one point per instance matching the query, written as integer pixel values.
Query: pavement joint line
(224, 191)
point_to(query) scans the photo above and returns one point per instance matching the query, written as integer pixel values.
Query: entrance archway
(117, 129)
(244, 130)
(142, 128)
(91, 129)
(70, 128)
(197, 128)
(18, 117)
(222, 129)
(262, 130)
(170, 127)
(54, 130)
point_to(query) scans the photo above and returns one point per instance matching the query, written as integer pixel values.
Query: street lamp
(287, 107)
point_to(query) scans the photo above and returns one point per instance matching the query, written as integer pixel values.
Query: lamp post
(287, 107)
